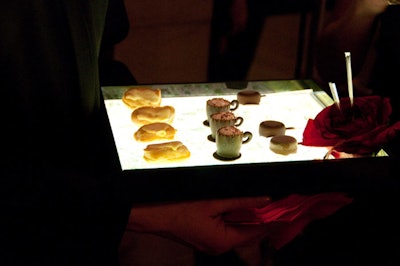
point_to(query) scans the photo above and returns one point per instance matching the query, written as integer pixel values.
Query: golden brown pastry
(138, 97)
(283, 144)
(155, 131)
(166, 152)
(149, 114)
(270, 128)
(248, 97)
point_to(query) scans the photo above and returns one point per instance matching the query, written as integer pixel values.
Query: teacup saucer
(216, 156)
(210, 138)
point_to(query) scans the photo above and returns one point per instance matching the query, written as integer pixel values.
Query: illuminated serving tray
(291, 102)
(292, 108)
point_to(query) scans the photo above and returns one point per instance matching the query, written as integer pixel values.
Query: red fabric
(361, 129)
(286, 218)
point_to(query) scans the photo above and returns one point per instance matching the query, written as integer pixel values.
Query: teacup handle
(239, 121)
(234, 105)
(247, 136)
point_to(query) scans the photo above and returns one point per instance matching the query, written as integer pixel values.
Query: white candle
(349, 76)
(334, 93)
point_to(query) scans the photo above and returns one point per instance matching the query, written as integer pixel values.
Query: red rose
(361, 129)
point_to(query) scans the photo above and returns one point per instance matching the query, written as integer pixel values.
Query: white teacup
(217, 105)
(229, 141)
(223, 119)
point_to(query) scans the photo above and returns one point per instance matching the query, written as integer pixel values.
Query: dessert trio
(155, 124)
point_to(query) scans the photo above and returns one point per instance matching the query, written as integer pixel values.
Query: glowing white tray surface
(292, 108)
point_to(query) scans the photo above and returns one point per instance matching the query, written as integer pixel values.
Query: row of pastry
(154, 123)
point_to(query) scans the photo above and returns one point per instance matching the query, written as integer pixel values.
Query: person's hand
(199, 224)
(350, 26)
(373, 7)
(345, 10)
(393, 2)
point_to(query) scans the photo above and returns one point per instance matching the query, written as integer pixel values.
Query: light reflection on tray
(292, 108)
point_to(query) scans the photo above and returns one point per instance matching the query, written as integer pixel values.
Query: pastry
(269, 128)
(155, 131)
(248, 97)
(166, 152)
(149, 114)
(283, 144)
(138, 97)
